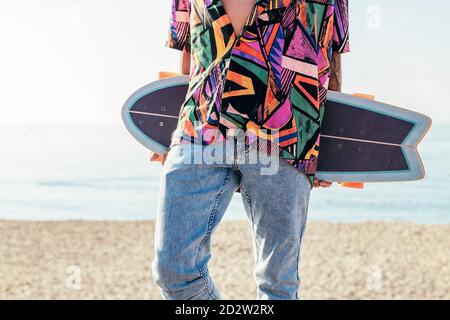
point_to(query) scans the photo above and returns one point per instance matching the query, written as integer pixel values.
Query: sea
(97, 171)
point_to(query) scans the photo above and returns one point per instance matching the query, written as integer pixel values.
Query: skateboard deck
(362, 140)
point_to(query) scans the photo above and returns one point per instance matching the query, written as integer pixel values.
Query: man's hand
(159, 157)
(321, 183)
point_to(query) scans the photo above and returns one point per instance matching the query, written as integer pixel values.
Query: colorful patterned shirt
(270, 81)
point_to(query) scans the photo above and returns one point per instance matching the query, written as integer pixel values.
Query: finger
(154, 157)
(325, 184)
(316, 183)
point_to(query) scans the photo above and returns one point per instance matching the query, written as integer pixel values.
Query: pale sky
(78, 60)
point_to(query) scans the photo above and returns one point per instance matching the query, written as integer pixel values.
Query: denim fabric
(193, 198)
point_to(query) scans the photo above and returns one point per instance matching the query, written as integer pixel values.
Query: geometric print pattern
(270, 81)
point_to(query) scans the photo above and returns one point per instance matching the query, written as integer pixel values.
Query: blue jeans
(193, 199)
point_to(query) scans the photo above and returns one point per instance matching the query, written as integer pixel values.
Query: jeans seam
(249, 200)
(211, 219)
(302, 231)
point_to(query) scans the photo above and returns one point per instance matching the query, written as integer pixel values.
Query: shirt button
(238, 43)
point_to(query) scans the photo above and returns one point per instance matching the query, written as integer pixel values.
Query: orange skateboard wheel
(364, 96)
(354, 185)
(167, 74)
